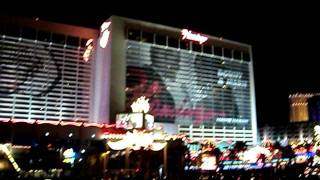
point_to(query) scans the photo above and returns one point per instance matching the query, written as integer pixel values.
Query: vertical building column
(202, 131)
(244, 133)
(234, 134)
(190, 131)
(213, 132)
(224, 133)
(253, 101)
(165, 161)
(119, 68)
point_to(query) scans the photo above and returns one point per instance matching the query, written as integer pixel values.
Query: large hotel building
(196, 84)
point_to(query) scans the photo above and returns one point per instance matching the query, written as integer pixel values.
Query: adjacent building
(299, 131)
(299, 107)
(304, 107)
(304, 115)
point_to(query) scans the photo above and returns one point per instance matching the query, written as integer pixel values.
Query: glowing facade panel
(44, 78)
(188, 87)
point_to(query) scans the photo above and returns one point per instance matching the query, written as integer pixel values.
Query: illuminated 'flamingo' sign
(187, 34)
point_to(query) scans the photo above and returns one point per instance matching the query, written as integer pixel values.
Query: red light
(109, 126)
(93, 124)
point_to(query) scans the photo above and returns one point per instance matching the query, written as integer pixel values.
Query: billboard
(186, 87)
(134, 120)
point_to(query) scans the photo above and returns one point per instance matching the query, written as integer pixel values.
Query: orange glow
(48, 122)
(56, 123)
(93, 124)
(109, 125)
(299, 107)
(23, 120)
(70, 123)
(4, 120)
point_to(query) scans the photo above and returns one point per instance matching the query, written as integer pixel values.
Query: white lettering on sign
(231, 78)
(104, 34)
(187, 34)
(229, 74)
(232, 120)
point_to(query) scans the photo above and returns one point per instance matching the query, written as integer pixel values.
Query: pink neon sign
(187, 34)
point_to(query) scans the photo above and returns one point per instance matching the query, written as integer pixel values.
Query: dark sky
(285, 41)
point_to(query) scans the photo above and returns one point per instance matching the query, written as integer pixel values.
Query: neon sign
(105, 33)
(187, 34)
(89, 48)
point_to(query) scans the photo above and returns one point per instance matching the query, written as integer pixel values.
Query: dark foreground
(295, 171)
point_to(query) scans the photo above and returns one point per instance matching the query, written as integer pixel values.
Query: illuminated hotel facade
(304, 115)
(299, 107)
(196, 84)
(304, 107)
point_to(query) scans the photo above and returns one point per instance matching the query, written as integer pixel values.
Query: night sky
(285, 42)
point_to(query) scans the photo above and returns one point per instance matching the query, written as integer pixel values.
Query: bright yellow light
(3, 165)
(105, 154)
(118, 145)
(317, 129)
(208, 163)
(137, 140)
(6, 151)
(141, 105)
(158, 146)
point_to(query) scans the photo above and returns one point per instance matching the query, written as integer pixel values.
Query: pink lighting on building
(189, 35)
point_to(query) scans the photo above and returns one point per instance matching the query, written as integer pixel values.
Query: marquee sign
(189, 35)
